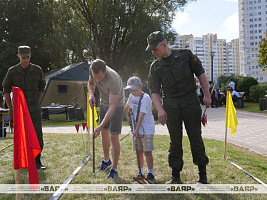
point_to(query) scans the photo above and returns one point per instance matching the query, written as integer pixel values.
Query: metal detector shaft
(93, 125)
(135, 142)
(125, 136)
(140, 179)
(203, 113)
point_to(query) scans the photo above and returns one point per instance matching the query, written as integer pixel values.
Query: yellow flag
(230, 118)
(89, 114)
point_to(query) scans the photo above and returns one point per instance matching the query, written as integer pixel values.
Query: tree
(59, 31)
(118, 29)
(24, 22)
(263, 53)
(222, 79)
(49, 27)
(257, 92)
(236, 80)
(244, 85)
(68, 38)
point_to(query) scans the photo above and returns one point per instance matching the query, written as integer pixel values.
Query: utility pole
(212, 55)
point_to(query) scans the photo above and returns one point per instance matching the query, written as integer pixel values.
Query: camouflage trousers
(37, 123)
(191, 116)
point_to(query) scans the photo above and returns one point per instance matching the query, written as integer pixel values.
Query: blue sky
(209, 16)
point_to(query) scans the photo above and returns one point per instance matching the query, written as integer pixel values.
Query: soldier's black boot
(175, 179)
(202, 174)
(38, 163)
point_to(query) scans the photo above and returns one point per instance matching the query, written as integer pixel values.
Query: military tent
(67, 86)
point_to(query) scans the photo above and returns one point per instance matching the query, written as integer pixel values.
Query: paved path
(251, 131)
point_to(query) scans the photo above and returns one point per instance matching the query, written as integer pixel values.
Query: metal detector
(93, 126)
(140, 178)
(204, 117)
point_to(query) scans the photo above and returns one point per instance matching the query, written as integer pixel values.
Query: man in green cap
(173, 74)
(30, 79)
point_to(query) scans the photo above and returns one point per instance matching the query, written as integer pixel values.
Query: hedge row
(257, 92)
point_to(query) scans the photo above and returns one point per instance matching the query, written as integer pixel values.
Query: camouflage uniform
(174, 76)
(31, 82)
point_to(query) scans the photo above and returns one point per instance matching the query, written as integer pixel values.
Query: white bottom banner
(134, 188)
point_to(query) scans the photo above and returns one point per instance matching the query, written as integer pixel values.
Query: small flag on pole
(77, 126)
(89, 115)
(84, 124)
(230, 117)
(26, 145)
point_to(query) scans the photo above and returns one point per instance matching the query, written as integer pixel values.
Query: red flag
(77, 126)
(84, 124)
(26, 145)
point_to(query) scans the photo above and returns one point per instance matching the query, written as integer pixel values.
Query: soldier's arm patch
(197, 61)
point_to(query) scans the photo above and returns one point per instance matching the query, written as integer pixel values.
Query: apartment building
(181, 41)
(252, 27)
(217, 56)
(233, 61)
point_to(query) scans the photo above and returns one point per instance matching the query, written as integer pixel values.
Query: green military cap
(24, 51)
(153, 39)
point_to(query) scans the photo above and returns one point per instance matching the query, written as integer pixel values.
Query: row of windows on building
(255, 25)
(255, 37)
(253, 73)
(206, 44)
(256, 31)
(254, 8)
(255, 14)
(254, 55)
(255, 19)
(256, 49)
(229, 67)
(252, 61)
(232, 49)
(253, 2)
(253, 43)
(256, 67)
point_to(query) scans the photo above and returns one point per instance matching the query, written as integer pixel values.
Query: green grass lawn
(252, 107)
(63, 153)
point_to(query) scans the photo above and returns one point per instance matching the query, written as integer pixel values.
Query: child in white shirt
(145, 126)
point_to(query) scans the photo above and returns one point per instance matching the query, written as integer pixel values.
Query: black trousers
(191, 117)
(37, 123)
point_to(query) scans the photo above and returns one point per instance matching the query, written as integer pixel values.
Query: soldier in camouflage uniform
(173, 74)
(30, 79)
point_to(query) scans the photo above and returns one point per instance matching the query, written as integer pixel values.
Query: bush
(257, 92)
(244, 85)
(236, 80)
(223, 80)
(223, 87)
